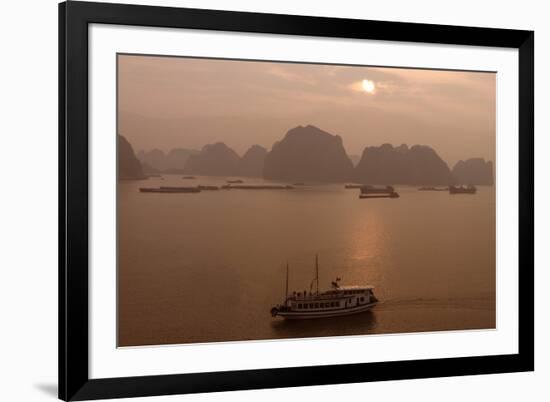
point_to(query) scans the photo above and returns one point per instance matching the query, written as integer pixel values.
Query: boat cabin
(341, 297)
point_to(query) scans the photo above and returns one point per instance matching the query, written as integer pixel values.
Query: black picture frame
(74, 381)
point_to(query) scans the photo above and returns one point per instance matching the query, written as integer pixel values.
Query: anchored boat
(462, 190)
(170, 190)
(433, 189)
(368, 191)
(334, 302)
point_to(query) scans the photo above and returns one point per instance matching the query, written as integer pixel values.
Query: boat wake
(476, 303)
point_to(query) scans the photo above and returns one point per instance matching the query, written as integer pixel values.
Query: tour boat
(334, 302)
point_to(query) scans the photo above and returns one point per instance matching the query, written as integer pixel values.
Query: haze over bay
(172, 102)
(207, 264)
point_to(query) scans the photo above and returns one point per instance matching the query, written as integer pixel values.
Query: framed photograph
(257, 201)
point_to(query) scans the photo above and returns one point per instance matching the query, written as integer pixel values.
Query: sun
(368, 86)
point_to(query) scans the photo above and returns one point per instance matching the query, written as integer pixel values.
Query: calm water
(208, 267)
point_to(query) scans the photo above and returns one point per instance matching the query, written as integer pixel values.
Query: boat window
(310, 305)
(299, 306)
(362, 299)
(316, 305)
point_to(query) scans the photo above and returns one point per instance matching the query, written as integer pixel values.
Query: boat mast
(317, 272)
(286, 288)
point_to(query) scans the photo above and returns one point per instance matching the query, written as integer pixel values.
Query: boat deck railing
(316, 297)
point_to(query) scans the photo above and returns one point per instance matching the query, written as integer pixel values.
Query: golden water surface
(208, 267)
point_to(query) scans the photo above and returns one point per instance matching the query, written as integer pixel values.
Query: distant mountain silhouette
(474, 171)
(148, 169)
(129, 166)
(308, 154)
(177, 157)
(386, 164)
(214, 160)
(355, 159)
(252, 162)
(311, 154)
(155, 158)
(172, 161)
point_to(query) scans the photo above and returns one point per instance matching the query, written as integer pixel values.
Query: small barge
(389, 195)
(257, 187)
(433, 189)
(462, 190)
(170, 190)
(368, 191)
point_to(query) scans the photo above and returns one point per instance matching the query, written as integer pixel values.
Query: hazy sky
(169, 102)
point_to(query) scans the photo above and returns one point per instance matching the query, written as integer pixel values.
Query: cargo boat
(170, 190)
(368, 191)
(256, 187)
(388, 195)
(433, 189)
(462, 190)
(334, 302)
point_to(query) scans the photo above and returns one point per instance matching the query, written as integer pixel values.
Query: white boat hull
(304, 315)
